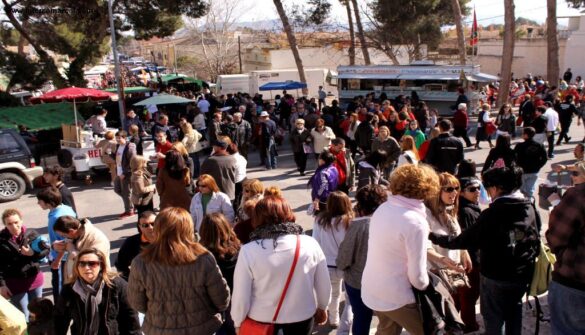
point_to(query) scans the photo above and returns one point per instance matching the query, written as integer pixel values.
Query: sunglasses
(91, 264)
(146, 225)
(450, 189)
(473, 189)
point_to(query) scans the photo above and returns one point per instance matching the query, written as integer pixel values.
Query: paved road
(102, 205)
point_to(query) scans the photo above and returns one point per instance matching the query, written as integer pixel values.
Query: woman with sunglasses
(442, 217)
(95, 300)
(175, 281)
(134, 244)
(208, 200)
(253, 190)
(507, 237)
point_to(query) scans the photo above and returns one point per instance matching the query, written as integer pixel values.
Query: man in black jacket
(527, 110)
(531, 157)
(445, 151)
(299, 137)
(566, 111)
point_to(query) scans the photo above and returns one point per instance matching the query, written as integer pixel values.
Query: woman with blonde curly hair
(397, 253)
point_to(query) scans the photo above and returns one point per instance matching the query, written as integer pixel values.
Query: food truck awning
(481, 77)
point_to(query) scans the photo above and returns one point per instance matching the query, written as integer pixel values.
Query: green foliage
(524, 21)
(414, 21)
(80, 29)
(9, 36)
(29, 75)
(576, 3)
(312, 13)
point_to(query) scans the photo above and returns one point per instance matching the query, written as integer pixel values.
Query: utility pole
(116, 64)
(240, 53)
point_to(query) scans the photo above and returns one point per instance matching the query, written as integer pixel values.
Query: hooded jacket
(323, 182)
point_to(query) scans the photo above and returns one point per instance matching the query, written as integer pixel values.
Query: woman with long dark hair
(329, 231)
(502, 155)
(172, 182)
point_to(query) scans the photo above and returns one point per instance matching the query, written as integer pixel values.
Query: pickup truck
(17, 166)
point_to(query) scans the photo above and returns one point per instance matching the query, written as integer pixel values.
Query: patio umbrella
(163, 99)
(73, 94)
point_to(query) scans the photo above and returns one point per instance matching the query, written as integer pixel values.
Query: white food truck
(251, 82)
(435, 84)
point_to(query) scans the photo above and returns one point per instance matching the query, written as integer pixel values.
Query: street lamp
(116, 64)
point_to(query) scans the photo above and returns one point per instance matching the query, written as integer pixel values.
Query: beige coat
(141, 184)
(178, 300)
(91, 237)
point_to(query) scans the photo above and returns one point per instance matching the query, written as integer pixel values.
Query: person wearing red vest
(344, 165)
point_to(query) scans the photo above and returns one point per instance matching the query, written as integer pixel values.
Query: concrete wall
(575, 50)
(529, 56)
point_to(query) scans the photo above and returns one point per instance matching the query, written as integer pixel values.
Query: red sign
(94, 153)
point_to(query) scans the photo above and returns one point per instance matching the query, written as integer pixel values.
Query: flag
(474, 33)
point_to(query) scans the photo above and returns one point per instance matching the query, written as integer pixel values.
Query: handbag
(490, 128)
(253, 327)
(452, 279)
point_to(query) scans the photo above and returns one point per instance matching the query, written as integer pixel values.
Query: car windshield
(8, 144)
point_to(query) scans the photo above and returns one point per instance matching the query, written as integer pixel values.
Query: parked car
(17, 166)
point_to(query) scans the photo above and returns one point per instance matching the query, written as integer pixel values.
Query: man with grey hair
(461, 122)
(243, 133)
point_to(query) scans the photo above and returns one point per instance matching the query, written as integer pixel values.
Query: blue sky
(488, 11)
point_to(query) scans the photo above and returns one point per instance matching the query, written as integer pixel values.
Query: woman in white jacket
(264, 264)
(322, 136)
(209, 200)
(329, 231)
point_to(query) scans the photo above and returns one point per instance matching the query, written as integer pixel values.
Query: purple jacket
(323, 182)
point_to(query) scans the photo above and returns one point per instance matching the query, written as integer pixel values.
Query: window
(8, 144)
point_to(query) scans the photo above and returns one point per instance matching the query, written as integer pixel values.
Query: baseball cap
(264, 113)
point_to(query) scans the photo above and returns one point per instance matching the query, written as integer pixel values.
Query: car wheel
(65, 158)
(12, 186)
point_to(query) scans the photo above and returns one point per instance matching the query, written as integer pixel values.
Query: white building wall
(575, 48)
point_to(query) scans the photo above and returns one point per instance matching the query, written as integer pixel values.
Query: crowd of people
(223, 253)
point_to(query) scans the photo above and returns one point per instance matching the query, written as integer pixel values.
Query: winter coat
(444, 153)
(219, 203)
(364, 136)
(323, 182)
(298, 139)
(142, 188)
(116, 315)
(15, 265)
(178, 300)
(391, 146)
(495, 154)
(173, 192)
(460, 119)
(321, 141)
(530, 156)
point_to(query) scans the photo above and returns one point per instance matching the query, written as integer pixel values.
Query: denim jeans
(566, 309)
(362, 314)
(501, 306)
(21, 300)
(528, 184)
(271, 155)
(336, 278)
(57, 281)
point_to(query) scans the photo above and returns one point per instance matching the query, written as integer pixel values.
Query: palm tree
(552, 67)
(508, 52)
(360, 33)
(351, 51)
(292, 41)
(459, 27)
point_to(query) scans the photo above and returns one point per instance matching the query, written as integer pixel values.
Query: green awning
(130, 90)
(37, 117)
(167, 78)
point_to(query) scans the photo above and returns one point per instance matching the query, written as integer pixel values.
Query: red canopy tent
(73, 94)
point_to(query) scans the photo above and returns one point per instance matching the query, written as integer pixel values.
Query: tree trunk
(508, 52)
(552, 68)
(351, 50)
(292, 41)
(460, 33)
(360, 33)
(50, 67)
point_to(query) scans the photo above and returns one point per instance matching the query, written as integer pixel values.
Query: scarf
(274, 231)
(91, 296)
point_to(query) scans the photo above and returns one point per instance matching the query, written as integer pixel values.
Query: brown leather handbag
(253, 327)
